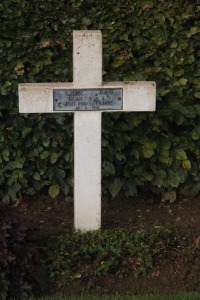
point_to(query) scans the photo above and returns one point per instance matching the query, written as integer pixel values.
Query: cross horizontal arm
(38, 97)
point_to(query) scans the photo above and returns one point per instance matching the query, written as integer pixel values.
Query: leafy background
(142, 40)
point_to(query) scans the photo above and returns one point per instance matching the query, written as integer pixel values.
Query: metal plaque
(87, 99)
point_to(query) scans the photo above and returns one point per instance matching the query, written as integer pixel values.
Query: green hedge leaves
(142, 40)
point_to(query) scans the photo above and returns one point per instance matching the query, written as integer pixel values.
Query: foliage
(96, 254)
(17, 247)
(189, 296)
(142, 40)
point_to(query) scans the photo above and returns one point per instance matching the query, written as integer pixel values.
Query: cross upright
(87, 96)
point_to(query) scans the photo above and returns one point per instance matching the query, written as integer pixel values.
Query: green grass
(153, 297)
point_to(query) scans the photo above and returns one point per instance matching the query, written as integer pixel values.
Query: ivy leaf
(44, 155)
(86, 21)
(195, 189)
(191, 59)
(165, 158)
(147, 152)
(115, 187)
(13, 190)
(5, 154)
(108, 169)
(173, 181)
(122, 126)
(36, 176)
(148, 176)
(186, 164)
(195, 136)
(54, 157)
(120, 156)
(117, 63)
(66, 189)
(45, 142)
(183, 81)
(26, 131)
(197, 95)
(175, 177)
(67, 157)
(180, 154)
(53, 191)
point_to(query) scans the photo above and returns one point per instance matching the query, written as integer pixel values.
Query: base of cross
(87, 97)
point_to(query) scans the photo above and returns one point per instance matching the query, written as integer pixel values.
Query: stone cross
(87, 96)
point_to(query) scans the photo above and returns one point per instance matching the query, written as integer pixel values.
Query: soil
(168, 275)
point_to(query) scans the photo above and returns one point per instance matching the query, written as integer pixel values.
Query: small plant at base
(99, 254)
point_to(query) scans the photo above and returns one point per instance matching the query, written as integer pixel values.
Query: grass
(192, 296)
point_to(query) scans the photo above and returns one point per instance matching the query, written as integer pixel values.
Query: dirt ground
(168, 275)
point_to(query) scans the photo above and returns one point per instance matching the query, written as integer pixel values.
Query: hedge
(142, 40)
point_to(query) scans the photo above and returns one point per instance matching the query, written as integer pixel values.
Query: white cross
(88, 97)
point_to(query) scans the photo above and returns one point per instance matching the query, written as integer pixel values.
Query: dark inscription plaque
(87, 99)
